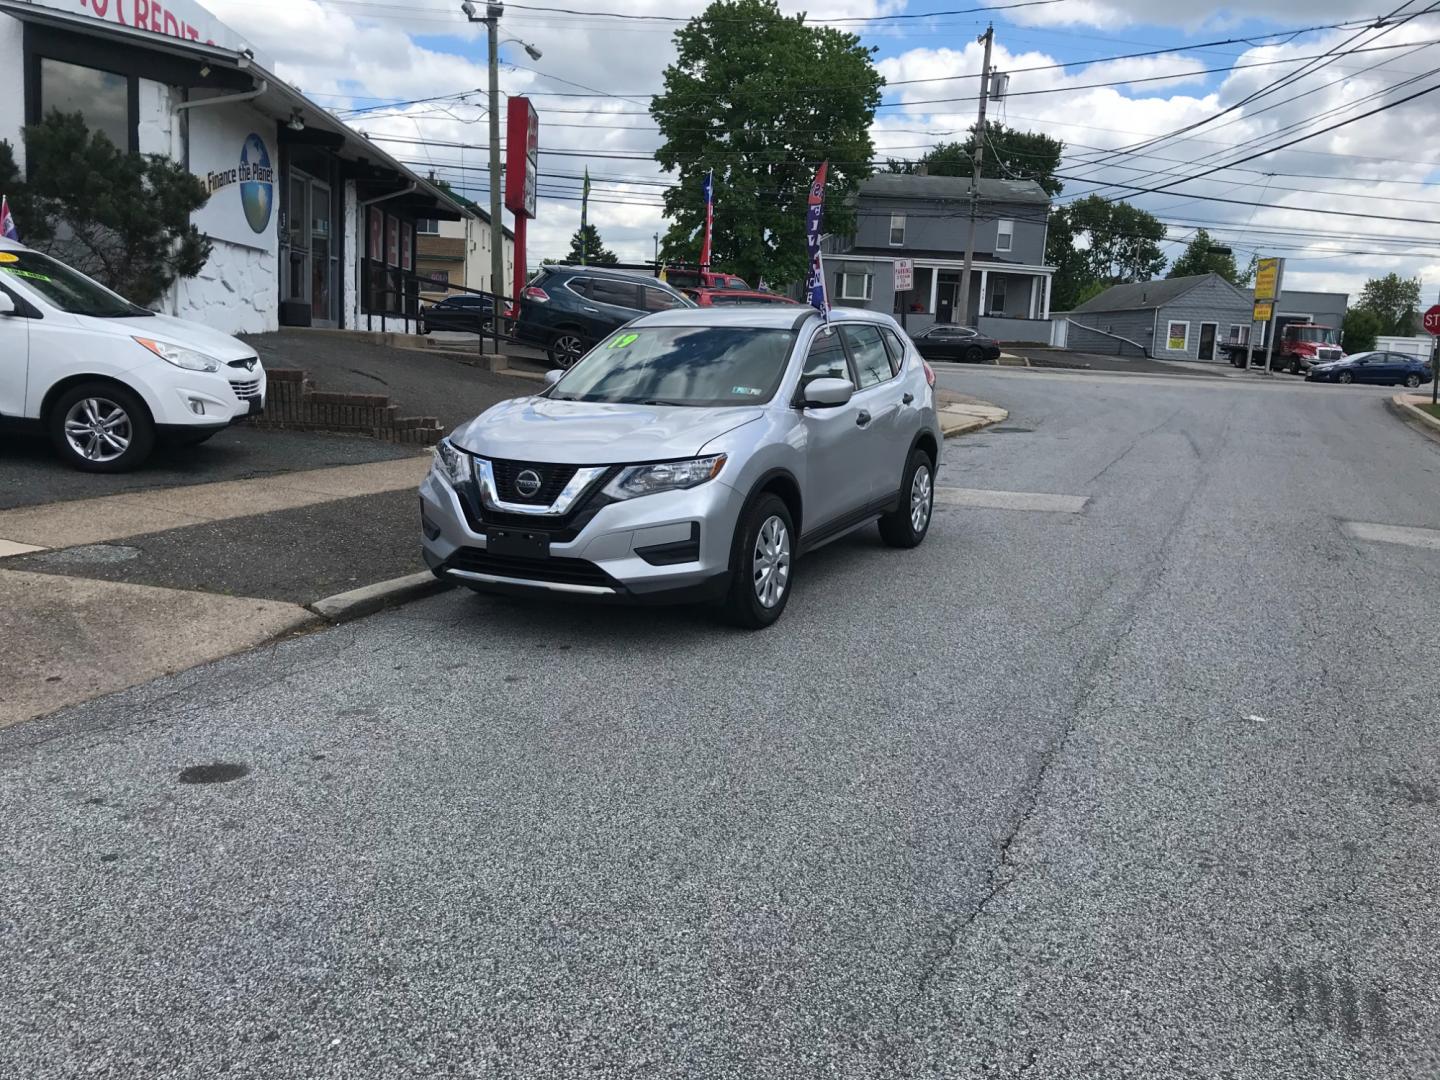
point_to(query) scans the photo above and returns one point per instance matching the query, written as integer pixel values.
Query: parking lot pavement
(31, 475)
(420, 383)
(1139, 786)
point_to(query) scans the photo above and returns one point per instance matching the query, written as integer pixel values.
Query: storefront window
(101, 97)
(377, 220)
(405, 246)
(392, 241)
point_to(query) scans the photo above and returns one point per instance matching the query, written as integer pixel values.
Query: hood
(594, 433)
(191, 335)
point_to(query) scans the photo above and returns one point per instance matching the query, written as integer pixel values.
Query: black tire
(1412, 380)
(1345, 377)
(566, 346)
(910, 522)
(743, 604)
(117, 410)
(974, 355)
(1295, 367)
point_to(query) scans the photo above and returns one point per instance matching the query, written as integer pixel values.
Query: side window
(659, 300)
(619, 293)
(580, 286)
(896, 347)
(826, 359)
(872, 362)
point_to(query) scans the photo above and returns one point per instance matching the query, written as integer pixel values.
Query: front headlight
(452, 463)
(180, 356)
(640, 480)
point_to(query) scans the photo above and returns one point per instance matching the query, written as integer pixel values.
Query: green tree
(1359, 330)
(1009, 155)
(596, 253)
(1198, 258)
(121, 218)
(762, 98)
(1093, 242)
(1395, 302)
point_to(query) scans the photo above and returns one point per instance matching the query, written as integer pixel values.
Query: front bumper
(672, 547)
(197, 399)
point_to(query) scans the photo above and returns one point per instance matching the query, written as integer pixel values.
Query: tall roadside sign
(904, 282)
(1269, 279)
(1432, 327)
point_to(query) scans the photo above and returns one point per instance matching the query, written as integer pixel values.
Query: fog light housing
(197, 406)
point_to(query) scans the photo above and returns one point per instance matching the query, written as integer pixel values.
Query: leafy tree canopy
(1093, 242)
(1359, 330)
(121, 218)
(587, 241)
(762, 98)
(1009, 155)
(1395, 302)
(1199, 258)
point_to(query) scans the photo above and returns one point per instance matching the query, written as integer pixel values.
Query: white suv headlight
(640, 480)
(452, 463)
(180, 356)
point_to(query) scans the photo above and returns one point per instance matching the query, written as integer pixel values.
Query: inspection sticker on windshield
(624, 340)
(7, 257)
(747, 391)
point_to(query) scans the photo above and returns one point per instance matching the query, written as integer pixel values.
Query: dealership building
(311, 223)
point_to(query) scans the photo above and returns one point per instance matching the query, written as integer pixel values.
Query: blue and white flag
(814, 211)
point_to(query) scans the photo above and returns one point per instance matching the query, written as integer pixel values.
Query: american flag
(709, 191)
(7, 223)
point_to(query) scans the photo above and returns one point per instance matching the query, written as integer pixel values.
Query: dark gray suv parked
(567, 309)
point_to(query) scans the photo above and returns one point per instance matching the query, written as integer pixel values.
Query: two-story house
(927, 219)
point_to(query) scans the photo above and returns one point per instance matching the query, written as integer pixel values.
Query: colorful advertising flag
(7, 223)
(815, 281)
(709, 189)
(584, 213)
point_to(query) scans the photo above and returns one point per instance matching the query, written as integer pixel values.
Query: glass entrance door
(321, 270)
(297, 239)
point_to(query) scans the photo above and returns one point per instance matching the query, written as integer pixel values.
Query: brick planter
(293, 403)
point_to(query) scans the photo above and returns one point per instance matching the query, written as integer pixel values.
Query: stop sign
(1432, 320)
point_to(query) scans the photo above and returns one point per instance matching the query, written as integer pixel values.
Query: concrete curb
(342, 607)
(962, 419)
(1417, 418)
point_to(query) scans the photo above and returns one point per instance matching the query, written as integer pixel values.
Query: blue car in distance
(1380, 367)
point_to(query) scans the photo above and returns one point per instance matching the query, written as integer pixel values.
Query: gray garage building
(1183, 318)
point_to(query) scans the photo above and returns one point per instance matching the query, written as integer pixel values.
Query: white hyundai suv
(106, 378)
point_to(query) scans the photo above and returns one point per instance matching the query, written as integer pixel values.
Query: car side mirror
(553, 376)
(7, 305)
(827, 393)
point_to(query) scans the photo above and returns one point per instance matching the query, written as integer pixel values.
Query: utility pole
(497, 225)
(963, 307)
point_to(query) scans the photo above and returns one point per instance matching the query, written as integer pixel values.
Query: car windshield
(65, 288)
(1320, 335)
(680, 365)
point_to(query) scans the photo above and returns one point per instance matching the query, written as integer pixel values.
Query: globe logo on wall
(257, 183)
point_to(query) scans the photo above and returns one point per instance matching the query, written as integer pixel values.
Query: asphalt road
(1150, 790)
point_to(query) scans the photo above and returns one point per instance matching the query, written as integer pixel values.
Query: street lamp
(491, 19)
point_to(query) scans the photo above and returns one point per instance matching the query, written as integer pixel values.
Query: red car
(687, 277)
(716, 297)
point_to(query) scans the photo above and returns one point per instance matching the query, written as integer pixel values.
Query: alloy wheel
(921, 493)
(1412, 380)
(568, 348)
(98, 429)
(770, 563)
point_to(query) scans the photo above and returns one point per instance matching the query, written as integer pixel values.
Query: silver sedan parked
(693, 454)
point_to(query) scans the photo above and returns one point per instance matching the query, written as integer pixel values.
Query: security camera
(468, 8)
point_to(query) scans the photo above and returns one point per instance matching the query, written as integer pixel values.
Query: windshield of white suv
(680, 365)
(67, 289)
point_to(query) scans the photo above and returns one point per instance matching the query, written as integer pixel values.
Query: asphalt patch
(219, 772)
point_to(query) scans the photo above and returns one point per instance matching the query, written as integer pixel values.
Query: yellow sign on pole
(1264, 310)
(1267, 282)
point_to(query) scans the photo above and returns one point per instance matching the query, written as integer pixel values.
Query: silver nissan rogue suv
(693, 454)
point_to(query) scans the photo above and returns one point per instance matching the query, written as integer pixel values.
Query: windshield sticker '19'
(624, 340)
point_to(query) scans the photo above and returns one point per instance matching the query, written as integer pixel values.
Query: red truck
(1298, 346)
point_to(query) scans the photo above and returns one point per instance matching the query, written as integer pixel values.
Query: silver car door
(885, 443)
(836, 479)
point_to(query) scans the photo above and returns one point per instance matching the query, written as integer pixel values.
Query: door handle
(863, 418)
(908, 398)
(593, 311)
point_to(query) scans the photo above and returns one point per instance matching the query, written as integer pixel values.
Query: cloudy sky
(1343, 206)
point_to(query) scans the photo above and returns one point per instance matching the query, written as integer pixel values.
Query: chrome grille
(245, 391)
